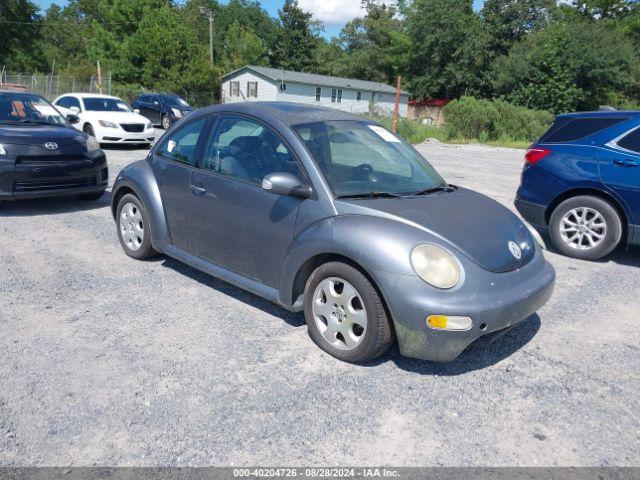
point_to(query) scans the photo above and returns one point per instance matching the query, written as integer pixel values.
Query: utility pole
(209, 14)
(396, 110)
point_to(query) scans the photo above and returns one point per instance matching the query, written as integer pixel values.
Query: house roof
(278, 75)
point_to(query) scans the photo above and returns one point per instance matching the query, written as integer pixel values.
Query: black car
(42, 155)
(162, 108)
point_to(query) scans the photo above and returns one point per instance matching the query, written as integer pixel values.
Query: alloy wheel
(165, 122)
(339, 313)
(131, 226)
(583, 228)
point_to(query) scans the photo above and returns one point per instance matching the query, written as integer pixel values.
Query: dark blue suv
(581, 182)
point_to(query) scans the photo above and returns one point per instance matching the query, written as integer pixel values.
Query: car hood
(116, 117)
(471, 223)
(39, 135)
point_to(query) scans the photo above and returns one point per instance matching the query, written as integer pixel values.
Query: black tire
(612, 234)
(91, 196)
(165, 121)
(378, 335)
(145, 249)
(88, 129)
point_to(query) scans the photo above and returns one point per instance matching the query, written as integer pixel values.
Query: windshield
(175, 102)
(28, 108)
(97, 104)
(360, 158)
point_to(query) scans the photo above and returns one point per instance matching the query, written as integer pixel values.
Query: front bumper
(119, 135)
(494, 301)
(532, 212)
(36, 176)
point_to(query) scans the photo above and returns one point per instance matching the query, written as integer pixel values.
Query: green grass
(415, 132)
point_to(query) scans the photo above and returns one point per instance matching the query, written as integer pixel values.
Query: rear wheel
(134, 230)
(585, 227)
(345, 315)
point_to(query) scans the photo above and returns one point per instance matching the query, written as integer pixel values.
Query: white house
(252, 83)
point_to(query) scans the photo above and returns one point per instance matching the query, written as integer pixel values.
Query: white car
(108, 119)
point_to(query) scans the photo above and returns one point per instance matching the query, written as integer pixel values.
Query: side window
(63, 102)
(181, 146)
(564, 130)
(631, 141)
(246, 150)
(73, 102)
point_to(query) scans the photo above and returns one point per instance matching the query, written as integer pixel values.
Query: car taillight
(534, 155)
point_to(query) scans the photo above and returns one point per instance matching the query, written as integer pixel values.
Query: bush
(473, 118)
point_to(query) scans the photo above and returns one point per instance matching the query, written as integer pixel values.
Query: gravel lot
(108, 361)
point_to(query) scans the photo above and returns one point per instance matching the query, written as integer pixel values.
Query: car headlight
(149, 125)
(177, 113)
(435, 266)
(92, 144)
(107, 124)
(3, 151)
(536, 235)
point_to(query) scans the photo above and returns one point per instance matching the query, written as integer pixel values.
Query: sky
(334, 13)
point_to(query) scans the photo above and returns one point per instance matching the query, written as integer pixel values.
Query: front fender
(377, 244)
(139, 178)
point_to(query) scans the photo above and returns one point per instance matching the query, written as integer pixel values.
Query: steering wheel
(365, 172)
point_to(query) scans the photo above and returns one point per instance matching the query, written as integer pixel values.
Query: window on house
(339, 95)
(334, 94)
(234, 89)
(252, 89)
(318, 93)
(359, 96)
(283, 87)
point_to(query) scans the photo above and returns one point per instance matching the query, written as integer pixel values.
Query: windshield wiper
(371, 195)
(439, 188)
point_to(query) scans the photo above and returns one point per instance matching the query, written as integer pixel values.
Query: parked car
(108, 119)
(42, 155)
(331, 214)
(581, 183)
(162, 108)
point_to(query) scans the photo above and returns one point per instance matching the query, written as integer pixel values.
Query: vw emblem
(515, 250)
(51, 146)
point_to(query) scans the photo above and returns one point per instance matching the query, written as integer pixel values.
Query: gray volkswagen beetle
(331, 214)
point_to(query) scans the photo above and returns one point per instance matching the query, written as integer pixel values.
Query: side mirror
(136, 110)
(74, 110)
(283, 183)
(73, 119)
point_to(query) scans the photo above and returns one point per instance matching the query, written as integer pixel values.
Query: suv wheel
(345, 315)
(133, 228)
(585, 227)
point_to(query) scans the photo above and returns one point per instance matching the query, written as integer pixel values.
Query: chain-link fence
(52, 86)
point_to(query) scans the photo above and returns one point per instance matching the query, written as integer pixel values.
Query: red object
(534, 155)
(429, 102)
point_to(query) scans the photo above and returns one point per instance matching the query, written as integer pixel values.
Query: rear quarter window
(572, 129)
(631, 141)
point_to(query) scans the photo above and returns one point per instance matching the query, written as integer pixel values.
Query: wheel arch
(594, 192)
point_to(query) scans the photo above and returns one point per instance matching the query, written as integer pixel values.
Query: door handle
(625, 163)
(197, 190)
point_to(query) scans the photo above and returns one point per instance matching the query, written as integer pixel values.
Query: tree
(509, 21)
(448, 49)
(605, 9)
(296, 40)
(376, 45)
(242, 47)
(19, 22)
(568, 66)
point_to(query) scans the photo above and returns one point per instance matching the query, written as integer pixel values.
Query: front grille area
(132, 127)
(29, 159)
(45, 185)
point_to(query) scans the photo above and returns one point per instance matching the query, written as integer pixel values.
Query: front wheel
(134, 230)
(88, 129)
(345, 314)
(585, 227)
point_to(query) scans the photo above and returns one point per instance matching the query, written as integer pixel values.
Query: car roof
(89, 95)
(601, 114)
(287, 112)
